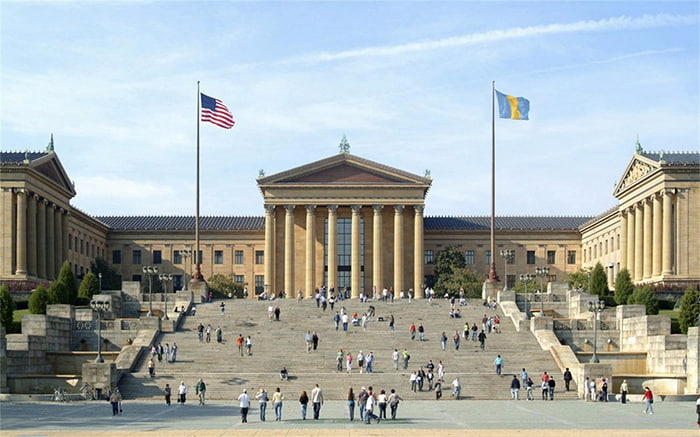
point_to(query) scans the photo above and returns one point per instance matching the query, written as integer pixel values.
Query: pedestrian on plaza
(406, 358)
(382, 400)
(168, 392)
(309, 341)
(697, 409)
(395, 359)
(455, 339)
(604, 390)
(443, 340)
(456, 388)
(351, 404)
(623, 391)
(151, 368)
(362, 402)
(317, 400)
(116, 399)
(348, 362)
(173, 350)
(303, 403)
(370, 406)
(567, 378)
(412, 331)
(498, 362)
(182, 393)
(314, 340)
(586, 390)
(244, 400)
(649, 399)
(249, 345)
(200, 389)
(545, 390)
(262, 398)
(394, 400)
(277, 399)
(514, 388)
(528, 385)
(552, 384)
(482, 340)
(592, 390)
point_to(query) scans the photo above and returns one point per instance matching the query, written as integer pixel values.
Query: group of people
(200, 388)
(159, 351)
(316, 400)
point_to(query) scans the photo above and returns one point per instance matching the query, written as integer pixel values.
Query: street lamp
(99, 275)
(165, 277)
(150, 271)
(542, 272)
(508, 257)
(100, 306)
(185, 253)
(596, 307)
(525, 278)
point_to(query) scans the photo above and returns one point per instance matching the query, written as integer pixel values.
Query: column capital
(668, 192)
(269, 209)
(20, 191)
(289, 208)
(332, 209)
(356, 209)
(311, 209)
(378, 209)
(398, 209)
(419, 209)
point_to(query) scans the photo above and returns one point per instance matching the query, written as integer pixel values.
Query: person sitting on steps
(284, 374)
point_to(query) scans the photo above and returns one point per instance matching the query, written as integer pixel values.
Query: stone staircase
(277, 344)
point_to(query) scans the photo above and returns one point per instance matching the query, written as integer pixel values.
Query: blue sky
(409, 83)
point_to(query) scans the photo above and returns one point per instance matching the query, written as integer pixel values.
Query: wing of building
(350, 223)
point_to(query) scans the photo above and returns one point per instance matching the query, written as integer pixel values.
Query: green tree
(111, 280)
(38, 300)
(65, 276)
(599, 281)
(89, 286)
(447, 261)
(580, 279)
(645, 296)
(460, 277)
(526, 286)
(8, 306)
(623, 287)
(690, 309)
(224, 286)
(58, 293)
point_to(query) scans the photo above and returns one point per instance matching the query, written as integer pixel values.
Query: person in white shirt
(317, 400)
(245, 405)
(456, 388)
(182, 393)
(395, 358)
(369, 407)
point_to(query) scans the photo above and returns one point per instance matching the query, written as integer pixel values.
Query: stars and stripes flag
(214, 111)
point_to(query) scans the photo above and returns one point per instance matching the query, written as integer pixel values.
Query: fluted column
(355, 287)
(648, 237)
(310, 249)
(289, 250)
(333, 247)
(51, 272)
(631, 226)
(377, 236)
(623, 240)
(667, 245)
(31, 235)
(8, 226)
(64, 236)
(639, 242)
(270, 246)
(21, 253)
(58, 235)
(658, 234)
(41, 239)
(418, 256)
(398, 249)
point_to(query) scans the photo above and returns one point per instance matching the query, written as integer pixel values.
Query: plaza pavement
(416, 418)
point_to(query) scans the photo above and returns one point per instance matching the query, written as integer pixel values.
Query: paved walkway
(443, 418)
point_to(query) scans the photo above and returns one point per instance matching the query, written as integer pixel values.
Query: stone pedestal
(102, 376)
(489, 291)
(199, 291)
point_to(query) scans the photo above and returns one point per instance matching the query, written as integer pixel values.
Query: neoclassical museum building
(345, 221)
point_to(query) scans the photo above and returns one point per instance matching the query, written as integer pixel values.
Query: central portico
(357, 221)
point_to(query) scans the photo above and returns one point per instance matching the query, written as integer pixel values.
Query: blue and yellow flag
(515, 108)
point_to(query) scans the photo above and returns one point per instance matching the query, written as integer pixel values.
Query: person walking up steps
(498, 362)
(244, 400)
(200, 389)
(514, 388)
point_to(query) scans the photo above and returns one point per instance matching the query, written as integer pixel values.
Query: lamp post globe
(165, 277)
(508, 257)
(596, 307)
(99, 306)
(542, 272)
(150, 271)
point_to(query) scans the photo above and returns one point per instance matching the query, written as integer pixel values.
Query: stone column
(310, 250)
(51, 272)
(21, 253)
(333, 247)
(639, 242)
(631, 226)
(648, 238)
(270, 247)
(41, 239)
(377, 236)
(31, 235)
(64, 224)
(58, 254)
(418, 256)
(355, 285)
(667, 245)
(289, 250)
(398, 249)
(623, 239)
(658, 233)
(8, 227)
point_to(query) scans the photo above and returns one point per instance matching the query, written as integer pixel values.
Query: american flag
(214, 111)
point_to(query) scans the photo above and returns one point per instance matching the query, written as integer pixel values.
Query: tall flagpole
(197, 276)
(493, 277)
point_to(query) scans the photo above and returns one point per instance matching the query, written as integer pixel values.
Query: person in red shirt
(649, 398)
(545, 377)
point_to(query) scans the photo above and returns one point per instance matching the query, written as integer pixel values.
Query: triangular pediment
(50, 167)
(639, 168)
(344, 173)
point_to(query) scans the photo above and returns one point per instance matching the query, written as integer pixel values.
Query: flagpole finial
(344, 145)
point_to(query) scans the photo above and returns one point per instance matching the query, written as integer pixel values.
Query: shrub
(623, 287)
(8, 306)
(38, 300)
(645, 296)
(690, 309)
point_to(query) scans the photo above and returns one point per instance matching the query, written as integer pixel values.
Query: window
(177, 282)
(488, 257)
(238, 279)
(218, 257)
(82, 247)
(510, 281)
(177, 258)
(70, 242)
(531, 257)
(551, 257)
(157, 257)
(238, 257)
(469, 257)
(571, 257)
(136, 278)
(116, 257)
(259, 284)
(429, 257)
(618, 241)
(199, 257)
(136, 257)
(259, 257)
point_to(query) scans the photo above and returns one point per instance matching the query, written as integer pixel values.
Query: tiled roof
(174, 223)
(674, 158)
(503, 223)
(16, 157)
